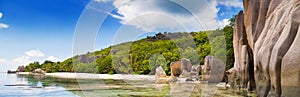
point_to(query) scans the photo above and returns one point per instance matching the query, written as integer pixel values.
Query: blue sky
(38, 30)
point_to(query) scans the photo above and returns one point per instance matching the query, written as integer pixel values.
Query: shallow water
(28, 85)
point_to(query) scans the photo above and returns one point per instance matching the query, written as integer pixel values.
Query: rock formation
(178, 67)
(271, 32)
(38, 72)
(196, 72)
(243, 70)
(161, 76)
(160, 73)
(214, 69)
(21, 69)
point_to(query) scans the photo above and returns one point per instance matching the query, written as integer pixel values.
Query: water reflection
(27, 85)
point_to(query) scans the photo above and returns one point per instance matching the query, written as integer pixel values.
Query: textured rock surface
(178, 66)
(39, 71)
(214, 69)
(243, 65)
(20, 69)
(272, 28)
(161, 76)
(196, 72)
(160, 73)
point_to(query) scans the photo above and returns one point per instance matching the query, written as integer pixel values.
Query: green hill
(144, 55)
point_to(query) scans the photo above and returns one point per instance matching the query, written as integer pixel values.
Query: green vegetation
(144, 55)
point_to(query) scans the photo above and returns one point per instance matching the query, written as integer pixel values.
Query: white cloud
(12, 64)
(224, 22)
(24, 60)
(231, 3)
(174, 15)
(34, 53)
(3, 26)
(51, 58)
(103, 0)
(1, 15)
(2, 60)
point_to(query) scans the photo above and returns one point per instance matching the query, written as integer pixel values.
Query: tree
(32, 66)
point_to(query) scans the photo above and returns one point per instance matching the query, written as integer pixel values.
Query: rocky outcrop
(243, 70)
(21, 69)
(161, 76)
(38, 72)
(271, 29)
(214, 69)
(160, 73)
(178, 67)
(196, 72)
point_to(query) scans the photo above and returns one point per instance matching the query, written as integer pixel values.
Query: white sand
(23, 73)
(98, 76)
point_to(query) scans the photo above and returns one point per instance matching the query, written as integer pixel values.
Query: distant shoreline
(70, 75)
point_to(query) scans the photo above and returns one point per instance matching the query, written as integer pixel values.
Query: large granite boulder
(161, 76)
(178, 67)
(214, 69)
(196, 72)
(271, 28)
(160, 72)
(38, 72)
(243, 66)
(20, 69)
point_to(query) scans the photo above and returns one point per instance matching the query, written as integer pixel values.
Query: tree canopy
(144, 55)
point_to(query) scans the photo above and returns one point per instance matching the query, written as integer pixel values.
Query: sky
(39, 30)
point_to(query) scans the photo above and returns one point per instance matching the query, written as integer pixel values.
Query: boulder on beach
(185, 74)
(160, 73)
(178, 67)
(214, 69)
(161, 76)
(39, 72)
(20, 69)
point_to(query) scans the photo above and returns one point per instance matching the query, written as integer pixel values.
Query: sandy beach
(97, 76)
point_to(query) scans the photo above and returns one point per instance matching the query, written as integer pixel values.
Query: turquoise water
(13, 85)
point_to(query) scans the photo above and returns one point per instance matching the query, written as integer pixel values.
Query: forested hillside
(144, 55)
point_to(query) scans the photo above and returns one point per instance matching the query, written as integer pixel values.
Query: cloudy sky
(39, 30)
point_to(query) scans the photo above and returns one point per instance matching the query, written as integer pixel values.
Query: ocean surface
(14, 85)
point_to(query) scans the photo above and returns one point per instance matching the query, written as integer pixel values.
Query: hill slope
(144, 55)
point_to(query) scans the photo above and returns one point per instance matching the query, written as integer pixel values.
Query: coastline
(70, 75)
